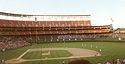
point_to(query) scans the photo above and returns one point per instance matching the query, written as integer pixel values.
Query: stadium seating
(17, 33)
(11, 42)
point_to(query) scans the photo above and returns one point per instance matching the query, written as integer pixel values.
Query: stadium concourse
(19, 30)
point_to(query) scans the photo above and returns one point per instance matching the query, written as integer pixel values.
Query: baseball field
(56, 53)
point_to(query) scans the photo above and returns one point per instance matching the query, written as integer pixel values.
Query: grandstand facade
(48, 28)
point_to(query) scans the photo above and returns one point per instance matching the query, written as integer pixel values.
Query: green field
(110, 51)
(53, 54)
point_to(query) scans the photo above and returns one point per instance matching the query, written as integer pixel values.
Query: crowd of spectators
(118, 33)
(11, 43)
(115, 61)
(85, 36)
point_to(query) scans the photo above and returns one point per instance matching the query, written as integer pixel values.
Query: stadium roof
(29, 15)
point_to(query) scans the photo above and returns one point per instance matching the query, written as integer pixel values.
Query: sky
(101, 11)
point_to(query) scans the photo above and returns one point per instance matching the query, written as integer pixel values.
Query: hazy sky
(101, 10)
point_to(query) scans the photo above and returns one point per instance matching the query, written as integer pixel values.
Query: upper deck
(27, 17)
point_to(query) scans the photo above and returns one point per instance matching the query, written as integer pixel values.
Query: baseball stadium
(58, 39)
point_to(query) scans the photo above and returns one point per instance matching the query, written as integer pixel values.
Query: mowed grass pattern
(53, 54)
(110, 50)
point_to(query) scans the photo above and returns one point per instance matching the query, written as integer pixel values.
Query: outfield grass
(53, 54)
(110, 50)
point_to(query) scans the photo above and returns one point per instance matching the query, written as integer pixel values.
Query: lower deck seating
(10, 42)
